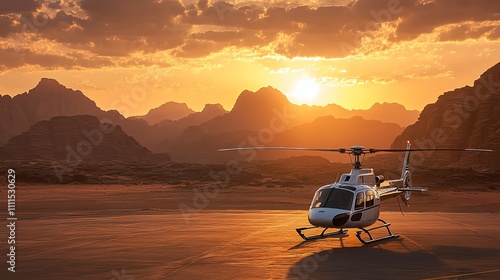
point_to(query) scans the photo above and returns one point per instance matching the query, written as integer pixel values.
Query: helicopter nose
(328, 217)
(340, 219)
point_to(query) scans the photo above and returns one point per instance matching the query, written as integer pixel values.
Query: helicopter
(354, 200)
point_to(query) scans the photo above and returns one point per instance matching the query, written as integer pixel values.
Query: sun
(305, 91)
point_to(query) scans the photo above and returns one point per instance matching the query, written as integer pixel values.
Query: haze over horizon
(351, 53)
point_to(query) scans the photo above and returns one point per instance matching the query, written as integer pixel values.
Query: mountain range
(252, 112)
(465, 117)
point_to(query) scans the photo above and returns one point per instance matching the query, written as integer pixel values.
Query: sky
(134, 55)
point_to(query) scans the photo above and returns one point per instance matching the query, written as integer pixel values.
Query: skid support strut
(367, 231)
(323, 234)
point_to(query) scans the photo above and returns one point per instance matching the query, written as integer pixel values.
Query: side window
(360, 201)
(370, 198)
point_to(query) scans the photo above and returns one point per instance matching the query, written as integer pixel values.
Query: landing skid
(319, 236)
(367, 231)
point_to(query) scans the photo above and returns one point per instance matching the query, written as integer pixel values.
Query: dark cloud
(495, 34)
(202, 4)
(116, 28)
(198, 48)
(463, 32)
(212, 41)
(5, 26)
(424, 18)
(13, 59)
(18, 6)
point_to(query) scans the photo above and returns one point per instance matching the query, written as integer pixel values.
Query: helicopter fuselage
(353, 202)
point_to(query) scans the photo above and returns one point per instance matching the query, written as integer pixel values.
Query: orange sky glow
(135, 55)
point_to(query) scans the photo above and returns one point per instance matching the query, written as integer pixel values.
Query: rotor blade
(341, 150)
(428, 149)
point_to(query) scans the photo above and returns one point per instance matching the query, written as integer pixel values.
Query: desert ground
(143, 220)
(76, 231)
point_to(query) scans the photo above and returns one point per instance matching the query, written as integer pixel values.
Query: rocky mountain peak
(168, 111)
(266, 96)
(48, 84)
(216, 108)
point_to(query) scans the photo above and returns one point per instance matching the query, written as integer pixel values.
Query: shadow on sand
(390, 259)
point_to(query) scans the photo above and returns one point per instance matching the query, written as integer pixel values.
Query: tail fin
(406, 163)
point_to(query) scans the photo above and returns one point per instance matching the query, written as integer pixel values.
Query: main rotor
(356, 151)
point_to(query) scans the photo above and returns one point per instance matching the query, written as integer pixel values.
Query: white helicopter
(354, 201)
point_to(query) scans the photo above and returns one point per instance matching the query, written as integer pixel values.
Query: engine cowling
(379, 179)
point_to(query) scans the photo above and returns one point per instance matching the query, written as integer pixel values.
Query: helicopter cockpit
(344, 197)
(338, 198)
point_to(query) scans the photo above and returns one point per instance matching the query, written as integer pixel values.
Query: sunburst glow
(305, 91)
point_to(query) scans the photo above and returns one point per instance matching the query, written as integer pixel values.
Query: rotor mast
(357, 151)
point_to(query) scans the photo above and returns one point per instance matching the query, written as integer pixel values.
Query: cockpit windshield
(333, 198)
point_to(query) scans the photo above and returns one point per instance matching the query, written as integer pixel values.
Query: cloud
(419, 18)
(5, 26)
(197, 48)
(18, 6)
(17, 59)
(115, 30)
(494, 34)
(468, 30)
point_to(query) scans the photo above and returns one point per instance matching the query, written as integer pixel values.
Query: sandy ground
(244, 232)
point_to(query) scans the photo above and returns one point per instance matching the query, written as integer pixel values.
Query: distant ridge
(209, 112)
(169, 111)
(78, 138)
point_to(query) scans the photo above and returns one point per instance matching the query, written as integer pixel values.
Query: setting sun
(305, 91)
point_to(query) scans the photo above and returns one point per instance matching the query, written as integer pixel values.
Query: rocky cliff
(467, 117)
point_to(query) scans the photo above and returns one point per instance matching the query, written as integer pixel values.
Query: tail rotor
(407, 184)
